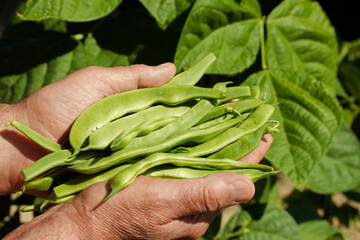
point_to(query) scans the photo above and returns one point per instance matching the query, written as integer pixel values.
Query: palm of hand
(51, 110)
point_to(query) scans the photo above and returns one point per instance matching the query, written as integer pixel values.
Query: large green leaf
(274, 224)
(69, 10)
(300, 37)
(339, 169)
(15, 87)
(166, 11)
(318, 230)
(308, 116)
(228, 29)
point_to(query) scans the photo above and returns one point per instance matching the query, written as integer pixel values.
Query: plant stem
(262, 44)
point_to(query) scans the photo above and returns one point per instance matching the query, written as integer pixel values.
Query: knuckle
(210, 200)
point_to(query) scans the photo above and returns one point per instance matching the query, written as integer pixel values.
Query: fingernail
(240, 191)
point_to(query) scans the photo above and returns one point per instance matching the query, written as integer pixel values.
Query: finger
(121, 79)
(148, 76)
(210, 194)
(99, 82)
(259, 153)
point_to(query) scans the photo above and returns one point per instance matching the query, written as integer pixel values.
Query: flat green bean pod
(145, 128)
(236, 107)
(126, 154)
(101, 138)
(83, 181)
(235, 93)
(192, 75)
(241, 147)
(48, 202)
(44, 183)
(217, 121)
(46, 163)
(34, 136)
(169, 171)
(184, 122)
(255, 92)
(118, 105)
(57, 159)
(128, 175)
(255, 120)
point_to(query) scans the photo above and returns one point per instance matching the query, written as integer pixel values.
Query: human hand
(51, 111)
(149, 208)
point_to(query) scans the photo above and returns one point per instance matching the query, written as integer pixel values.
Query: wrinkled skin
(148, 208)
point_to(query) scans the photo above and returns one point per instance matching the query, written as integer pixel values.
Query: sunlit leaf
(69, 10)
(229, 30)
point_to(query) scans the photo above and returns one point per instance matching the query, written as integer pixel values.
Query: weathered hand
(52, 110)
(149, 208)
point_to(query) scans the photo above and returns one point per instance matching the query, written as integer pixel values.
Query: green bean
(117, 105)
(128, 175)
(54, 200)
(145, 128)
(193, 74)
(184, 122)
(42, 206)
(169, 171)
(241, 147)
(101, 138)
(236, 107)
(34, 136)
(46, 163)
(255, 92)
(56, 159)
(81, 182)
(126, 154)
(235, 93)
(216, 121)
(44, 183)
(255, 120)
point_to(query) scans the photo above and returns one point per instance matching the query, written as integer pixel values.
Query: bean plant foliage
(288, 47)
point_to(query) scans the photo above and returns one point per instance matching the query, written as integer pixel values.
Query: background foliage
(309, 69)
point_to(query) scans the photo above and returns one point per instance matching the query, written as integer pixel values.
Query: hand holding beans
(148, 208)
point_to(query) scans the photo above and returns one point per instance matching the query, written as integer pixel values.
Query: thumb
(213, 193)
(140, 76)
(99, 82)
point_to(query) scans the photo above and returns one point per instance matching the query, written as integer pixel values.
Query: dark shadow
(27, 45)
(25, 146)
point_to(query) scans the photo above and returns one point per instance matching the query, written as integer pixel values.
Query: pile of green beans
(174, 131)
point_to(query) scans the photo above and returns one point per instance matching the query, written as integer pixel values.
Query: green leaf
(15, 87)
(318, 230)
(301, 38)
(308, 115)
(271, 194)
(90, 54)
(166, 11)
(339, 170)
(349, 75)
(228, 29)
(274, 224)
(69, 10)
